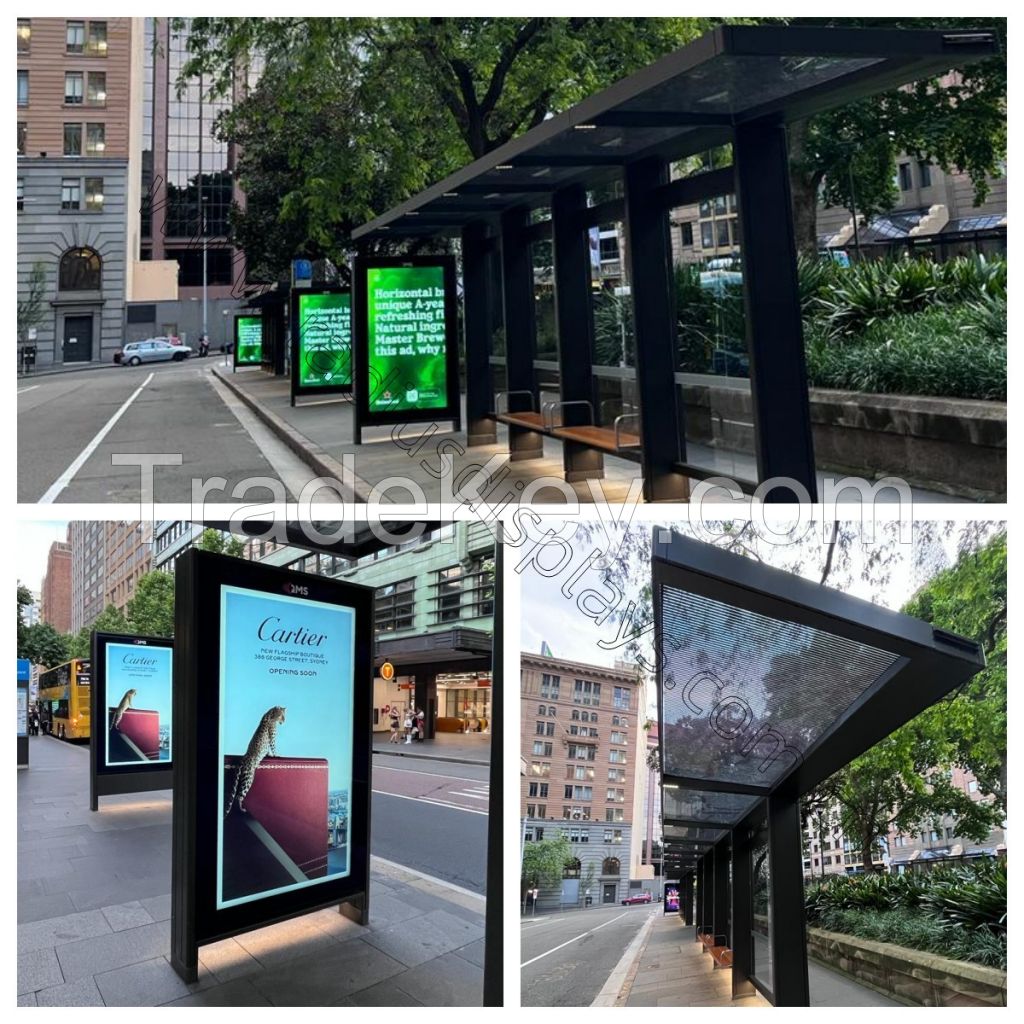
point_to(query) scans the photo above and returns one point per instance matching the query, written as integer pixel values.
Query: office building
(88, 571)
(55, 594)
(129, 556)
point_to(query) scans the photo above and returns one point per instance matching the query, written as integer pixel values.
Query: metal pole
(202, 211)
(853, 209)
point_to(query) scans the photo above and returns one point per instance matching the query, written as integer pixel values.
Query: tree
(544, 861)
(110, 620)
(221, 543)
(43, 645)
(24, 600)
(32, 308)
(151, 610)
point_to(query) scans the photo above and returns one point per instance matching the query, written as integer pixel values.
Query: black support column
(494, 910)
(520, 330)
(686, 898)
(789, 933)
(425, 700)
(476, 285)
(742, 916)
(775, 341)
(575, 322)
(649, 253)
(721, 859)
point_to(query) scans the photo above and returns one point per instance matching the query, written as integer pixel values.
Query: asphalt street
(71, 424)
(566, 958)
(431, 817)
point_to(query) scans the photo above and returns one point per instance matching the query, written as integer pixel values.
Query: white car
(155, 350)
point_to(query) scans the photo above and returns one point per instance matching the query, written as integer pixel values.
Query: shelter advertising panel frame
(236, 362)
(298, 389)
(24, 675)
(109, 780)
(363, 387)
(195, 917)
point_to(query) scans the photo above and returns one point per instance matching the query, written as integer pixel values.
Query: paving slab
(148, 983)
(424, 938)
(82, 992)
(38, 968)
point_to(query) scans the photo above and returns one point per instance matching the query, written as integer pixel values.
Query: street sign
(387, 670)
(272, 737)
(131, 714)
(302, 273)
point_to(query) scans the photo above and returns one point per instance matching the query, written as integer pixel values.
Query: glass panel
(700, 805)
(761, 898)
(545, 324)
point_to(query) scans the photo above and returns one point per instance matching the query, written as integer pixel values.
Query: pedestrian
(35, 723)
(420, 723)
(394, 726)
(408, 728)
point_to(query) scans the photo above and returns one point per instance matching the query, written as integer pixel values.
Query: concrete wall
(45, 232)
(185, 317)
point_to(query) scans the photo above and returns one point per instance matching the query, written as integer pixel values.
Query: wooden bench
(526, 418)
(721, 954)
(613, 440)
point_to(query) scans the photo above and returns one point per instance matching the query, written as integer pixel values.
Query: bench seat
(601, 438)
(531, 420)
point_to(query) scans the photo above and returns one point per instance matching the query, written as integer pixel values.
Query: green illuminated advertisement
(248, 339)
(325, 340)
(406, 338)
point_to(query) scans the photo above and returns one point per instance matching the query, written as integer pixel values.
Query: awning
(685, 103)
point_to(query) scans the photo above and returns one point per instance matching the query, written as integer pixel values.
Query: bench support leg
(582, 463)
(477, 298)
(524, 444)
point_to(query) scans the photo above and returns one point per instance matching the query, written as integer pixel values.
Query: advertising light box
(321, 341)
(671, 905)
(273, 689)
(406, 339)
(248, 340)
(131, 713)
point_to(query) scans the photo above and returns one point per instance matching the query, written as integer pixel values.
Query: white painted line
(428, 800)
(411, 771)
(609, 994)
(22, 391)
(69, 474)
(429, 878)
(569, 942)
(472, 796)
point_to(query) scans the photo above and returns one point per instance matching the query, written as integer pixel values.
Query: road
(566, 958)
(71, 424)
(431, 816)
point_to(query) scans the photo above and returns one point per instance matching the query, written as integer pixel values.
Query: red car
(640, 897)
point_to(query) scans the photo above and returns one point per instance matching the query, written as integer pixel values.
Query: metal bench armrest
(549, 408)
(506, 395)
(617, 426)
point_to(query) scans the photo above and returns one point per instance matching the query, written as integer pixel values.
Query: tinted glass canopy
(685, 103)
(767, 680)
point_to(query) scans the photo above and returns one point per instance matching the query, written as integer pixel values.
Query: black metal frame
(23, 740)
(108, 780)
(299, 390)
(929, 663)
(234, 348)
(195, 920)
(553, 162)
(362, 386)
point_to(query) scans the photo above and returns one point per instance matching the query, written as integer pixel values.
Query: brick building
(55, 594)
(580, 741)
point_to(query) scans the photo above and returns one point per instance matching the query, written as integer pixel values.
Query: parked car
(153, 350)
(639, 897)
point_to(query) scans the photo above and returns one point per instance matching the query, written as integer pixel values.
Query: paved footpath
(94, 917)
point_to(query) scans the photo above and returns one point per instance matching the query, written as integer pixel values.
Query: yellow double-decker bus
(64, 699)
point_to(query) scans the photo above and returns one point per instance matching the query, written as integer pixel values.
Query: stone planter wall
(954, 446)
(923, 979)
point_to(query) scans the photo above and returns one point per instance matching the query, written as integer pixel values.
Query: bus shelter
(556, 348)
(768, 684)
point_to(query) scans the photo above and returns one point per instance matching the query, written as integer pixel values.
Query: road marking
(612, 990)
(412, 771)
(69, 474)
(22, 391)
(428, 800)
(429, 878)
(569, 942)
(472, 796)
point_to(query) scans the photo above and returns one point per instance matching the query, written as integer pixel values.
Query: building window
(94, 195)
(24, 35)
(70, 194)
(925, 170)
(616, 775)
(611, 866)
(393, 606)
(80, 271)
(905, 181)
(617, 756)
(21, 194)
(572, 868)
(552, 711)
(76, 37)
(22, 131)
(585, 692)
(972, 786)
(22, 88)
(95, 139)
(72, 140)
(549, 728)
(540, 768)
(621, 698)
(686, 230)
(73, 88)
(97, 39)
(542, 709)
(618, 737)
(540, 729)
(614, 814)
(543, 749)
(549, 686)
(97, 91)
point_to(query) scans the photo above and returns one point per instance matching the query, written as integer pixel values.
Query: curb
(321, 462)
(432, 757)
(24, 378)
(616, 989)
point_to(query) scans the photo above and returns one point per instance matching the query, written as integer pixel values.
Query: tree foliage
(151, 610)
(43, 645)
(221, 543)
(544, 860)
(32, 308)
(110, 620)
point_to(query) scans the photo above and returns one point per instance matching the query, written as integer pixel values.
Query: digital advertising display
(131, 713)
(406, 344)
(248, 340)
(273, 691)
(321, 341)
(671, 898)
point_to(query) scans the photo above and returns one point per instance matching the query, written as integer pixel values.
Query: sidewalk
(94, 917)
(462, 748)
(322, 433)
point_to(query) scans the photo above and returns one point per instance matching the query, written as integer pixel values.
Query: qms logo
(296, 589)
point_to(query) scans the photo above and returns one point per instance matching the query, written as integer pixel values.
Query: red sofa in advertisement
(141, 728)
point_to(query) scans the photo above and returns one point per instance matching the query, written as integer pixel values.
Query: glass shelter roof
(687, 102)
(766, 680)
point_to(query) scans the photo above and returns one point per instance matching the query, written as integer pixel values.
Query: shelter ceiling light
(449, 195)
(504, 167)
(585, 127)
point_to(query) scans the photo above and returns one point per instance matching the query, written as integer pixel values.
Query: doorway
(610, 889)
(77, 339)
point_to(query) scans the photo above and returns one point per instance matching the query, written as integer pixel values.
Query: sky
(32, 547)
